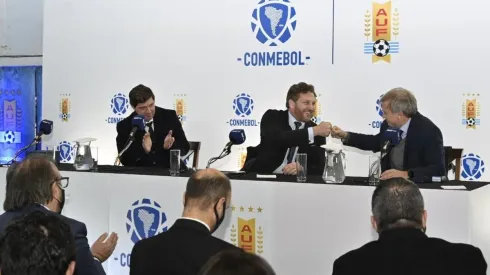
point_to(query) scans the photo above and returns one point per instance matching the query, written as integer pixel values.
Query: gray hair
(401, 100)
(397, 203)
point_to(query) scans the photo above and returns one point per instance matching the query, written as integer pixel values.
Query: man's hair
(205, 188)
(297, 89)
(30, 183)
(10, 173)
(37, 244)
(401, 100)
(236, 262)
(397, 203)
(140, 94)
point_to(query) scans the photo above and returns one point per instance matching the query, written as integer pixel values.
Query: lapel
(285, 120)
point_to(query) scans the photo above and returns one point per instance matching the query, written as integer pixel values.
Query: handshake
(324, 129)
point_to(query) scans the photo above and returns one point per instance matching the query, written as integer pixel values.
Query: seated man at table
(419, 154)
(285, 133)
(400, 219)
(163, 132)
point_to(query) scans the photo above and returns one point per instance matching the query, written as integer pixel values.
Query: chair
(194, 147)
(452, 154)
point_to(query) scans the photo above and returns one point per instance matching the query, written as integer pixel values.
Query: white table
(304, 227)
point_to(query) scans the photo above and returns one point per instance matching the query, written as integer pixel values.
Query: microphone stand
(25, 148)
(126, 147)
(223, 154)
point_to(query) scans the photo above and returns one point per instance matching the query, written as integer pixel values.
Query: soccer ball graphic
(470, 121)
(381, 48)
(9, 137)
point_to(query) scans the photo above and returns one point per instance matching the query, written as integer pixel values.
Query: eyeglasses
(62, 182)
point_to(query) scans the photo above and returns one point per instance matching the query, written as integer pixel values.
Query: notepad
(266, 176)
(453, 187)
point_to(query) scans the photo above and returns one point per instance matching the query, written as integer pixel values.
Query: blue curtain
(19, 89)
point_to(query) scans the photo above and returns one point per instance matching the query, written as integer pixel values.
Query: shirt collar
(292, 120)
(404, 128)
(196, 220)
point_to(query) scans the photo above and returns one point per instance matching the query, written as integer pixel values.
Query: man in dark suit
(285, 133)
(36, 185)
(163, 132)
(403, 248)
(188, 244)
(420, 153)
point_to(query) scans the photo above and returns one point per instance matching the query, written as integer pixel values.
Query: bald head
(205, 188)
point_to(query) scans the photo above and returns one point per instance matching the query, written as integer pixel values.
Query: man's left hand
(290, 169)
(169, 141)
(393, 173)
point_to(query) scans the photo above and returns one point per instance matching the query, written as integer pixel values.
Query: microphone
(237, 137)
(392, 138)
(138, 123)
(45, 128)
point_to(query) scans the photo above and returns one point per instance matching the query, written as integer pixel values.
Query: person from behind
(163, 132)
(37, 185)
(188, 244)
(37, 244)
(236, 263)
(417, 148)
(400, 219)
(285, 133)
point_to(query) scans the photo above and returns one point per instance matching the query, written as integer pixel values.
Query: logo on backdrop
(65, 107)
(67, 153)
(10, 118)
(243, 106)
(145, 218)
(381, 28)
(317, 114)
(472, 167)
(273, 23)
(119, 107)
(471, 111)
(376, 124)
(180, 107)
(246, 231)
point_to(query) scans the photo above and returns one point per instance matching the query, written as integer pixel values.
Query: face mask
(62, 200)
(218, 219)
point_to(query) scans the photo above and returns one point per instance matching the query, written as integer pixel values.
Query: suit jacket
(276, 137)
(182, 250)
(409, 251)
(85, 262)
(424, 149)
(164, 120)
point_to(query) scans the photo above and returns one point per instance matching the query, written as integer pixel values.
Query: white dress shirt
(311, 138)
(404, 128)
(147, 129)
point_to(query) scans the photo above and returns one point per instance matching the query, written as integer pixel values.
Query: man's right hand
(147, 142)
(322, 129)
(338, 133)
(103, 247)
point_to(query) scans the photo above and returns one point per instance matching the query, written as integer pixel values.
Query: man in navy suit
(36, 185)
(420, 153)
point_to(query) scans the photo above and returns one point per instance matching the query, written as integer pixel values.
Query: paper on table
(454, 187)
(266, 176)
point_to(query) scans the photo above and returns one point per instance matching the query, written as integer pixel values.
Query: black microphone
(138, 123)
(392, 137)
(45, 128)
(237, 137)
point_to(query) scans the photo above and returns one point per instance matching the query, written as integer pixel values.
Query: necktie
(150, 128)
(400, 134)
(297, 124)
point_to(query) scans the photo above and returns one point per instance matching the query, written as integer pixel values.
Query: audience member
(236, 263)
(37, 244)
(189, 243)
(400, 219)
(36, 185)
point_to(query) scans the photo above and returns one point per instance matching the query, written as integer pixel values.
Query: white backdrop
(304, 227)
(188, 51)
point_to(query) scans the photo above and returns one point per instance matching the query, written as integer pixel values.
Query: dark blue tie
(297, 124)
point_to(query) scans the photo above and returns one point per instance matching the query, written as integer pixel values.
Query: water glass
(301, 170)
(174, 162)
(374, 169)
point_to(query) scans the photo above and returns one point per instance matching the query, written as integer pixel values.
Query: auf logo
(66, 151)
(473, 167)
(273, 22)
(145, 219)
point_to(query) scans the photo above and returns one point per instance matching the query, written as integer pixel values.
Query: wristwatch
(410, 174)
